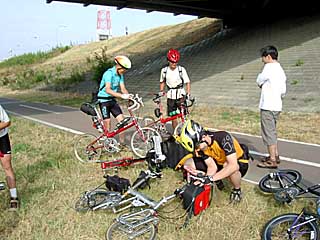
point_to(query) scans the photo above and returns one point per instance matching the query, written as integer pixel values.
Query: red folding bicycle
(88, 147)
(159, 124)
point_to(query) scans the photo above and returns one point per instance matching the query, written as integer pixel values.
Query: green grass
(50, 180)
(32, 58)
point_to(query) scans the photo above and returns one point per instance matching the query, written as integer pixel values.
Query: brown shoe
(268, 164)
(265, 159)
(14, 204)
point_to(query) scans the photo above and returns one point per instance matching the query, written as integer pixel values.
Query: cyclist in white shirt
(272, 81)
(174, 77)
(5, 157)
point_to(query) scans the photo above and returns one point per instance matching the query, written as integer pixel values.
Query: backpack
(180, 75)
(174, 152)
(246, 152)
(95, 97)
(95, 92)
(166, 154)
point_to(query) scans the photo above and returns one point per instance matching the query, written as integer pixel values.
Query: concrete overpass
(233, 12)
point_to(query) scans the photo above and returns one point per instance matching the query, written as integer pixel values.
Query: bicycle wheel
(87, 149)
(99, 199)
(148, 121)
(286, 195)
(139, 146)
(178, 128)
(271, 182)
(285, 226)
(119, 231)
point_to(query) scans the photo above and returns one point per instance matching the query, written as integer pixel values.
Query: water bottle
(174, 112)
(318, 206)
(97, 124)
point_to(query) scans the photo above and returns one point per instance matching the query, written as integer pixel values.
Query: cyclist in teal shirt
(113, 81)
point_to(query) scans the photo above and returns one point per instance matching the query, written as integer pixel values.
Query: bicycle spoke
(142, 144)
(87, 149)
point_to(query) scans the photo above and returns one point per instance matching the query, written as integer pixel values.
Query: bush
(100, 63)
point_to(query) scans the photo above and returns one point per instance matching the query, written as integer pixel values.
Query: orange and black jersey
(222, 145)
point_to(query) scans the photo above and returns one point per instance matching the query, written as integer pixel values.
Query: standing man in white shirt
(5, 157)
(272, 81)
(174, 76)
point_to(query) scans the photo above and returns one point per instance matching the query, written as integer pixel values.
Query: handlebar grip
(200, 175)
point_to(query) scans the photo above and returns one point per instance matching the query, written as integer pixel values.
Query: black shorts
(202, 166)
(173, 104)
(5, 147)
(110, 107)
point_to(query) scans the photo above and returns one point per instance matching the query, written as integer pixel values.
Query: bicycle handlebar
(158, 96)
(152, 174)
(137, 102)
(202, 178)
(199, 177)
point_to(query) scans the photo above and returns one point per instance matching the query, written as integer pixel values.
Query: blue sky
(33, 25)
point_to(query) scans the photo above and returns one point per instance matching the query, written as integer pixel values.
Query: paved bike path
(295, 155)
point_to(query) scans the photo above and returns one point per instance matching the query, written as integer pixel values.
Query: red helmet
(173, 55)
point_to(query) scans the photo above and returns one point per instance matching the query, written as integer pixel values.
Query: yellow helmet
(123, 61)
(191, 134)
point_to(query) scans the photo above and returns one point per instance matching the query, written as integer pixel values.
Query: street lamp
(57, 30)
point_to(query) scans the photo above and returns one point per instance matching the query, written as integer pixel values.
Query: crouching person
(218, 154)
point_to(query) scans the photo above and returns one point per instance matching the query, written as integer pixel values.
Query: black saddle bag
(116, 183)
(88, 109)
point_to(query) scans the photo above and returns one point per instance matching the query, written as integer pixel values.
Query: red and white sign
(104, 20)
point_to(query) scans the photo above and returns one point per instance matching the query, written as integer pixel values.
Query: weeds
(299, 62)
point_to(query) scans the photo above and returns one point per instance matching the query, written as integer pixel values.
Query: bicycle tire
(272, 229)
(83, 152)
(116, 231)
(140, 147)
(286, 195)
(148, 121)
(89, 200)
(269, 184)
(177, 130)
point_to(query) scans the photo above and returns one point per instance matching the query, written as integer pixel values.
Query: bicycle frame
(92, 146)
(122, 162)
(303, 225)
(146, 220)
(116, 201)
(292, 230)
(163, 120)
(2, 186)
(286, 186)
(133, 122)
(303, 189)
